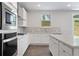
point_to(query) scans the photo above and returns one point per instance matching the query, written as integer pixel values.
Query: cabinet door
(24, 23)
(63, 53)
(55, 49)
(23, 43)
(20, 11)
(24, 14)
(64, 50)
(76, 51)
(42, 39)
(53, 45)
(24, 17)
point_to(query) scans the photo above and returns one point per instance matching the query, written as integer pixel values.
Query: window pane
(45, 20)
(76, 25)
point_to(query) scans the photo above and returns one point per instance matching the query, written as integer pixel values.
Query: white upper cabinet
(22, 19)
(24, 14)
(20, 11)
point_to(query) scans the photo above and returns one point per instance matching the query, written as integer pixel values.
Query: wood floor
(36, 50)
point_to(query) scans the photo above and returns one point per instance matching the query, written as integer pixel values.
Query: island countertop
(75, 43)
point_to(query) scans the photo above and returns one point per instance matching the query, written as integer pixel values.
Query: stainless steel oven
(0, 29)
(10, 44)
(8, 18)
(0, 15)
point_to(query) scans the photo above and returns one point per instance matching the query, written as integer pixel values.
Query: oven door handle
(10, 39)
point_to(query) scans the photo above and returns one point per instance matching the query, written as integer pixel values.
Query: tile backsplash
(38, 30)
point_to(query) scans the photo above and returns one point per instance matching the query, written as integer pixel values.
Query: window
(76, 24)
(45, 20)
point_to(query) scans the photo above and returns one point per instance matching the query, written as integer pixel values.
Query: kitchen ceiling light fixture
(68, 5)
(38, 5)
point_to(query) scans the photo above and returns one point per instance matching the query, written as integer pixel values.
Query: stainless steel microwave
(8, 18)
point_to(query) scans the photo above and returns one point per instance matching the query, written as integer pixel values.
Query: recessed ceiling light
(38, 5)
(68, 5)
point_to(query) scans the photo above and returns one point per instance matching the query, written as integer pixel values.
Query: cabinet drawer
(63, 52)
(64, 49)
(54, 40)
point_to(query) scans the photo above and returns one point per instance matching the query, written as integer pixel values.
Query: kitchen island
(60, 47)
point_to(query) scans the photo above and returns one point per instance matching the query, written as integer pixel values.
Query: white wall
(62, 19)
(34, 18)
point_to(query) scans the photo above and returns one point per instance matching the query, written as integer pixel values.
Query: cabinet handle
(64, 51)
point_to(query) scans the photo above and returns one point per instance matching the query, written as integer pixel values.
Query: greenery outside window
(45, 20)
(76, 24)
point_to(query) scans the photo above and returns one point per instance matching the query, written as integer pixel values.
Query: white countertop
(7, 31)
(61, 38)
(20, 36)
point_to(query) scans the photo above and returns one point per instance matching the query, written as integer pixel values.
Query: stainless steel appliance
(0, 28)
(9, 44)
(0, 15)
(8, 18)
(8, 41)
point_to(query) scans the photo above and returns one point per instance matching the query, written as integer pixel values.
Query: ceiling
(51, 5)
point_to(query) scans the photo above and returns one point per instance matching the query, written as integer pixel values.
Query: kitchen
(39, 24)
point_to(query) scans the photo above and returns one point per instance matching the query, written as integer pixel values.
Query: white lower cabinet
(39, 39)
(76, 52)
(64, 50)
(23, 43)
(53, 46)
(59, 48)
